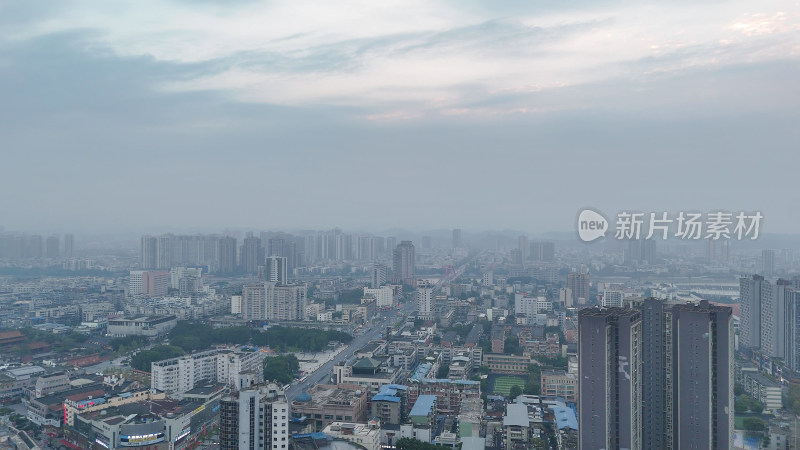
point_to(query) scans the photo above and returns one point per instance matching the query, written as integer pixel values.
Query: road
(385, 318)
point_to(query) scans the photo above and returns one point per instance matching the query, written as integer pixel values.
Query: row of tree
(191, 337)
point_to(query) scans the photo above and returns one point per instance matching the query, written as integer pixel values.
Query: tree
(516, 391)
(792, 400)
(143, 360)
(754, 424)
(281, 368)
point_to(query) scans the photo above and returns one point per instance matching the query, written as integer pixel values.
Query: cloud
(421, 57)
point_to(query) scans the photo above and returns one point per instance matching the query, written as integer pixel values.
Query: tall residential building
(750, 301)
(578, 282)
(250, 254)
(456, 237)
(270, 301)
(149, 245)
(377, 276)
(543, 251)
(425, 302)
(768, 262)
(255, 418)
(426, 242)
(35, 246)
(53, 247)
(791, 327)
(702, 340)
(367, 249)
(610, 353)
(686, 382)
(403, 262)
(226, 251)
(286, 302)
(524, 247)
(640, 251)
(276, 269)
(254, 301)
(69, 245)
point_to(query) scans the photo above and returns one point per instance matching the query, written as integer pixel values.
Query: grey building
(686, 363)
(702, 370)
(750, 299)
(610, 353)
(403, 262)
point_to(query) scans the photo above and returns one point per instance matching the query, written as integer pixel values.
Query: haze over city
(173, 115)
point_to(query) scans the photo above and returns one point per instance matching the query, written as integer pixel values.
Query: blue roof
(386, 398)
(423, 405)
(565, 417)
(421, 371)
(399, 387)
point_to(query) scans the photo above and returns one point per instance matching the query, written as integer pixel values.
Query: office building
(610, 353)
(276, 269)
(578, 283)
(403, 262)
(255, 418)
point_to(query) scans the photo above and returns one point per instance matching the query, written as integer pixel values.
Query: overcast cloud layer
(426, 114)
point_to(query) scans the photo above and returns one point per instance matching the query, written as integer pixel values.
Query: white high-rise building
(276, 269)
(135, 282)
(178, 375)
(425, 302)
(384, 297)
(255, 418)
(612, 299)
(236, 304)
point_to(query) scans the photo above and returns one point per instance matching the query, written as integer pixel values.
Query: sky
(364, 115)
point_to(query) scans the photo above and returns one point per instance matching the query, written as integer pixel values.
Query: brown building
(325, 404)
(579, 283)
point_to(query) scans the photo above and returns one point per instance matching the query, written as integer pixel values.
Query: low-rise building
(150, 326)
(364, 435)
(559, 383)
(325, 404)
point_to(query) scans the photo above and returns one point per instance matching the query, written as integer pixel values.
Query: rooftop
(516, 415)
(423, 406)
(565, 417)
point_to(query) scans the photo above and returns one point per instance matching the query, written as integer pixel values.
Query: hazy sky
(380, 114)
